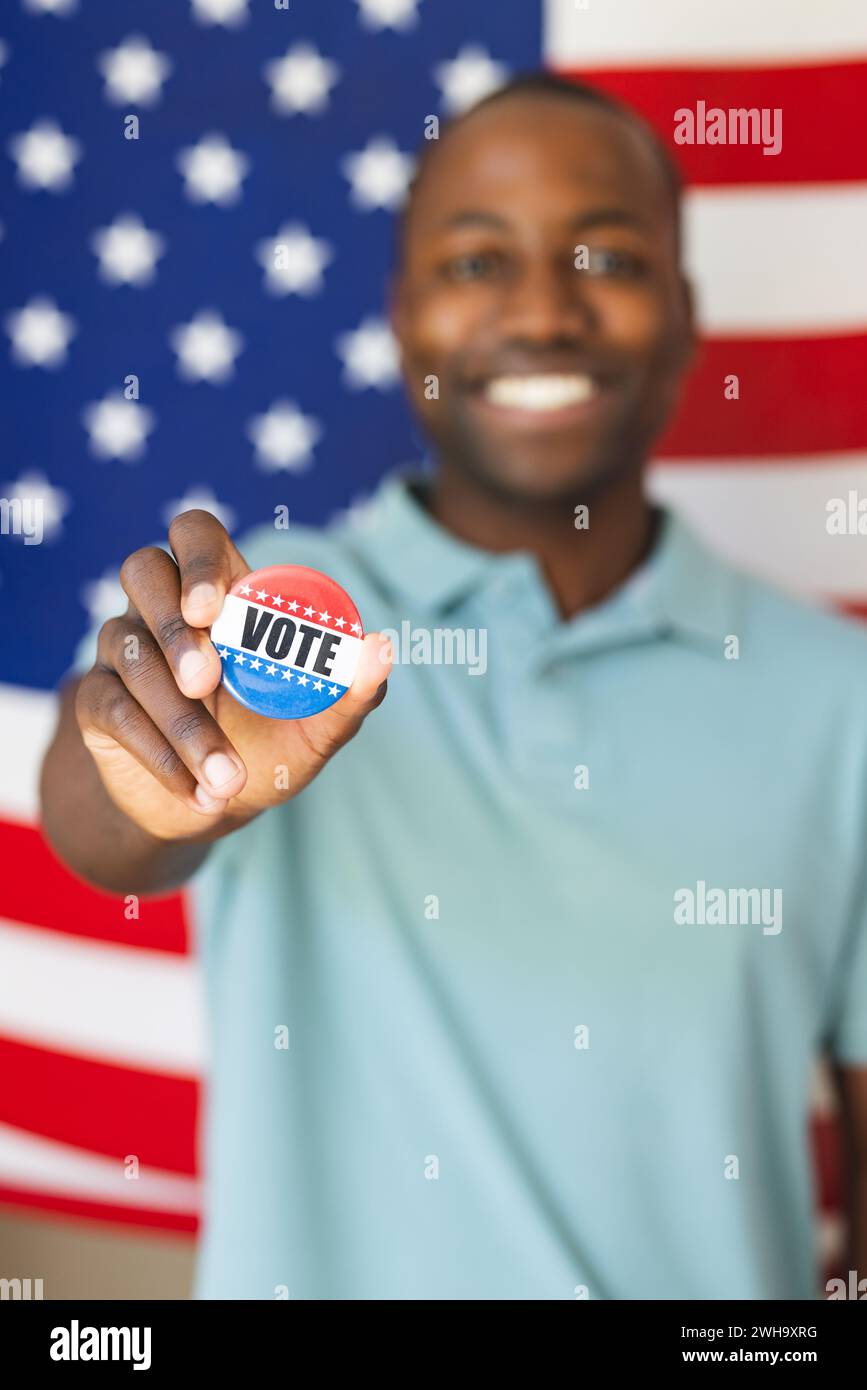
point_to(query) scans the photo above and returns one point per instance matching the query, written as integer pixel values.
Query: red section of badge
(282, 586)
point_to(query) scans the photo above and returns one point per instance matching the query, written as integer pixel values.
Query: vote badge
(289, 639)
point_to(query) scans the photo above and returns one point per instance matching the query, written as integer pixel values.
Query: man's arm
(852, 1090)
(90, 833)
(152, 760)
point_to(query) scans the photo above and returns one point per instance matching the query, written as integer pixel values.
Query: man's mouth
(540, 393)
(545, 402)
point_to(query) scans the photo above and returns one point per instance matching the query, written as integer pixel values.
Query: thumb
(328, 731)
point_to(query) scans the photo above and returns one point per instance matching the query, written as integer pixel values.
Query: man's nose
(545, 301)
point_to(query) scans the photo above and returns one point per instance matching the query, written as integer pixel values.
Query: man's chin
(531, 482)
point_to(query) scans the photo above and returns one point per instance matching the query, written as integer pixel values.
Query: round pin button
(289, 639)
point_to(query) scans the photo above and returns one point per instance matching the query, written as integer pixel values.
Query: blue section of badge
(278, 692)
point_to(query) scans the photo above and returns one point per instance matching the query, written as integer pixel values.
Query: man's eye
(473, 265)
(622, 264)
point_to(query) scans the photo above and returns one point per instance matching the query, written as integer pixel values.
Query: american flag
(198, 203)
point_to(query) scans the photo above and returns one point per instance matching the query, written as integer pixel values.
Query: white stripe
(778, 261)
(672, 33)
(831, 1237)
(119, 1004)
(42, 1165)
(229, 629)
(26, 725)
(823, 1096)
(771, 519)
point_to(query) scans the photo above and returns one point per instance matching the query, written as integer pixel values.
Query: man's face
(552, 380)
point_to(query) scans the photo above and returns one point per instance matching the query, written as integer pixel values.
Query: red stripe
(108, 1109)
(855, 608)
(797, 396)
(43, 893)
(827, 1162)
(144, 1217)
(819, 139)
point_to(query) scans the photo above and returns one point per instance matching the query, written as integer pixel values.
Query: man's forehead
(573, 146)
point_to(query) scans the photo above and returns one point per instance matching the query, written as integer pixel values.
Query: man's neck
(582, 566)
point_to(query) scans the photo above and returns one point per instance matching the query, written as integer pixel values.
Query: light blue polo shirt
(553, 945)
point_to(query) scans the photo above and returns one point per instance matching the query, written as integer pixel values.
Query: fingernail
(219, 769)
(191, 664)
(206, 801)
(386, 651)
(201, 596)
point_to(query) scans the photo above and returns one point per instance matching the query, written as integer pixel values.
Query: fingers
(209, 563)
(109, 717)
(326, 732)
(185, 724)
(151, 580)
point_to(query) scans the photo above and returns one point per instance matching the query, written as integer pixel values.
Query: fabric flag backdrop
(154, 357)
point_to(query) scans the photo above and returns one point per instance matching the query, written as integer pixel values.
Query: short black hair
(542, 83)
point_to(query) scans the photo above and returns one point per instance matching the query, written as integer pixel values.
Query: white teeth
(539, 392)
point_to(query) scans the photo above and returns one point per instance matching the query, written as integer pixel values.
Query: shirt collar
(681, 590)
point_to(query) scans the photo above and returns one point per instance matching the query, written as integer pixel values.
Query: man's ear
(690, 321)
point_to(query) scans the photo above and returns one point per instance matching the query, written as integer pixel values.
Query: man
(557, 942)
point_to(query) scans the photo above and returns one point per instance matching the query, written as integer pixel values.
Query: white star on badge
(206, 348)
(302, 680)
(255, 665)
(293, 261)
(50, 6)
(223, 654)
(245, 589)
(379, 174)
(213, 171)
(229, 13)
(325, 617)
(127, 251)
(464, 80)
(287, 675)
(239, 659)
(40, 334)
(36, 494)
(271, 670)
(134, 72)
(356, 628)
(261, 595)
(308, 612)
(45, 156)
(283, 437)
(199, 499)
(118, 428)
(301, 80)
(332, 690)
(277, 600)
(388, 14)
(340, 622)
(370, 356)
(317, 685)
(292, 607)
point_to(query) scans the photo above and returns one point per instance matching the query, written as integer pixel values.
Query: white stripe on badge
(626, 33)
(289, 634)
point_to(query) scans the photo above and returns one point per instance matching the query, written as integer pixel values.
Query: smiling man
(515, 1068)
